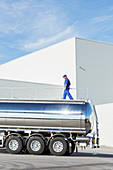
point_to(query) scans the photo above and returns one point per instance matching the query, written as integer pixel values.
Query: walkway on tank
(94, 159)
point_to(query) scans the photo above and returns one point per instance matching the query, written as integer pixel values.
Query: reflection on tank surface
(73, 115)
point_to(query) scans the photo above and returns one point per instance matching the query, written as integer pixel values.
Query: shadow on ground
(79, 154)
(82, 154)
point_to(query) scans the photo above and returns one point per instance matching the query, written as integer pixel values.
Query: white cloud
(34, 24)
(43, 42)
(18, 16)
(32, 20)
(102, 18)
(40, 22)
(96, 28)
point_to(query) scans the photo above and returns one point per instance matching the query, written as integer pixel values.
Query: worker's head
(64, 76)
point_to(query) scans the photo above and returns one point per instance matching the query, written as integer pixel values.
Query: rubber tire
(19, 142)
(41, 150)
(73, 148)
(65, 146)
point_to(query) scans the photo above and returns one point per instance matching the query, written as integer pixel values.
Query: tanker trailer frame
(43, 126)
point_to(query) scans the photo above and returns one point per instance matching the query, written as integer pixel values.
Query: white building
(89, 66)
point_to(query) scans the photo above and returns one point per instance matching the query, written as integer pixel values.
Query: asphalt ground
(88, 159)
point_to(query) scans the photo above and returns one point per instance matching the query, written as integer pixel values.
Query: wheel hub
(58, 146)
(35, 145)
(13, 145)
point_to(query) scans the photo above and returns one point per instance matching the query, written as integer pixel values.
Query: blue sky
(30, 25)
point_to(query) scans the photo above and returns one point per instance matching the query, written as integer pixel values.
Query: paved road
(84, 160)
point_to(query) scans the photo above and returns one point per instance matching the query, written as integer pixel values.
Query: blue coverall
(66, 91)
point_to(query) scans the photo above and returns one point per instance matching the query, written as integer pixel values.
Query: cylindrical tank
(59, 114)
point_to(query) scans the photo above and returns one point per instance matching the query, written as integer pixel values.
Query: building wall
(105, 117)
(96, 59)
(94, 73)
(27, 90)
(45, 66)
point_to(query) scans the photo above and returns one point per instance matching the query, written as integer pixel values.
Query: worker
(66, 88)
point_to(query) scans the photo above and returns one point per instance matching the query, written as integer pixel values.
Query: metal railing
(40, 93)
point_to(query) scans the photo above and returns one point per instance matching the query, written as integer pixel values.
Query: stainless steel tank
(76, 115)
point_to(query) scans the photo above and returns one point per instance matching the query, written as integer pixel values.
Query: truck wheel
(58, 146)
(14, 145)
(70, 149)
(36, 145)
(73, 147)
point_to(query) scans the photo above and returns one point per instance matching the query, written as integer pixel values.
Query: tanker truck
(43, 126)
